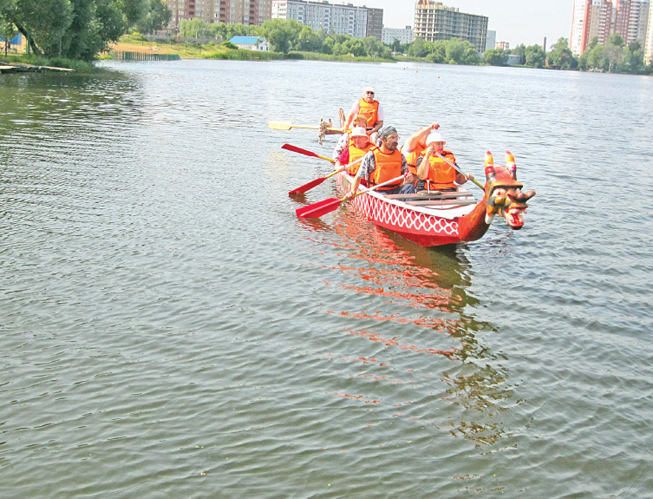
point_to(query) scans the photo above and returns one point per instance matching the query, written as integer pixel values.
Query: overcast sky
(515, 21)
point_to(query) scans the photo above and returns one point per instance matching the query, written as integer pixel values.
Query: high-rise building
(602, 18)
(375, 23)
(225, 11)
(648, 46)
(434, 21)
(357, 22)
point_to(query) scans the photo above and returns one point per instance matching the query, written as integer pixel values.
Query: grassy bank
(211, 50)
(57, 62)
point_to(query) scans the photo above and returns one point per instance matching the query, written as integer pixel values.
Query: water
(169, 328)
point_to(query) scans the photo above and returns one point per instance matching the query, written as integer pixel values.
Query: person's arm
(423, 164)
(353, 112)
(342, 144)
(419, 136)
(367, 167)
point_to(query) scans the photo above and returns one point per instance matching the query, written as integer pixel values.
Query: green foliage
(561, 56)
(534, 56)
(520, 50)
(75, 29)
(281, 34)
(157, 17)
(495, 57)
(230, 45)
(615, 57)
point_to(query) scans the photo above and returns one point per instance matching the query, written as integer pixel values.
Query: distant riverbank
(186, 50)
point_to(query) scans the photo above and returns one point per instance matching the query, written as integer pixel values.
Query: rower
(372, 111)
(383, 164)
(360, 146)
(434, 173)
(345, 139)
(415, 146)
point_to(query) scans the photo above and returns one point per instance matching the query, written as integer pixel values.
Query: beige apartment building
(434, 21)
(220, 11)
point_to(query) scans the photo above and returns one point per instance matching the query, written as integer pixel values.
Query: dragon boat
(439, 218)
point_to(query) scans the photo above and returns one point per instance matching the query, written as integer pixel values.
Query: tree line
(613, 56)
(78, 29)
(289, 35)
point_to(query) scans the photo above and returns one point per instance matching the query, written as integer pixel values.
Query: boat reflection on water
(426, 314)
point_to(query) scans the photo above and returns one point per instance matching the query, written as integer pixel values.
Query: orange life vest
(388, 166)
(441, 175)
(355, 154)
(370, 111)
(413, 156)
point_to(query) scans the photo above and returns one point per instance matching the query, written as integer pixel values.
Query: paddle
(457, 169)
(316, 210)
(318, 181)
(305, 152)
(287, 125)
(313, 183)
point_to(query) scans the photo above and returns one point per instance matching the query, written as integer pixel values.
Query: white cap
(368, 89)
(434, 137)
(359, 131)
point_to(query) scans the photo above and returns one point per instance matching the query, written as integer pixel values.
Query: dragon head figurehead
(503, 192)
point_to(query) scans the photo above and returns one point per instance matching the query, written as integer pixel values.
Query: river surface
(170, 329)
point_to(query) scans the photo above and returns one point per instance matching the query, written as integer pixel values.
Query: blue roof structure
(246, 40)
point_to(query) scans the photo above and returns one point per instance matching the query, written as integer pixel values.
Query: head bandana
(386, 130)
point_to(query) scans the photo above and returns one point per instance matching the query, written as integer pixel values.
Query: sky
(515, 21)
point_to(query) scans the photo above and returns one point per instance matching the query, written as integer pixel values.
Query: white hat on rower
(368, 89)
(434, 137)
(359, 131)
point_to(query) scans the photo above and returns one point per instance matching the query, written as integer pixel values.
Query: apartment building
(602, 18)
(434, 21)
(215, 11)
(404, 35)
(648, 46)
(341, 19)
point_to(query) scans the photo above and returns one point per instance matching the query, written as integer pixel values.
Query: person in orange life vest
(360, 147)
(372, 111)
(383, 164)
(415, 146)
(433, 172)
(345, 139)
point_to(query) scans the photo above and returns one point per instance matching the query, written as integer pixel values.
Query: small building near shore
(251, 43)
(513, 60)
(15, 44)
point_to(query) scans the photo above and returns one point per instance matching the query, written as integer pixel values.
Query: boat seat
(433, 195)
(444, 202)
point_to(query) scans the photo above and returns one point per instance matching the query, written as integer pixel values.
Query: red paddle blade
(299, 150)
(307, 187)
(316, 210)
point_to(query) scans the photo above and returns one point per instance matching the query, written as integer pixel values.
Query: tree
(520, 50)
(157, 17)
(77, 29)
(418, 48)
(281, 33)
(534, 56)
(308, 40)
(561, 56)
(461, 52)
(195, 28)
(495, 57)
